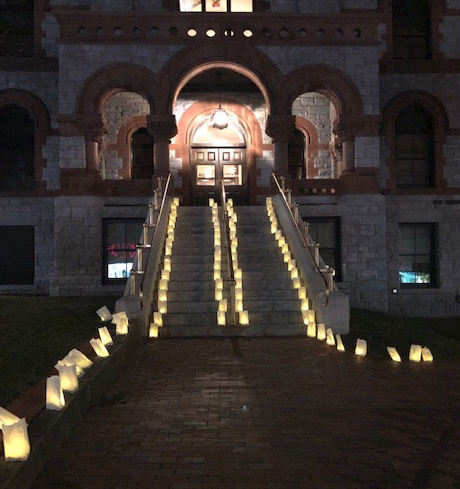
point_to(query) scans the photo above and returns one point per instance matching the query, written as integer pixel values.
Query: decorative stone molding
(92, 126)
(349, 128)
(346, 29)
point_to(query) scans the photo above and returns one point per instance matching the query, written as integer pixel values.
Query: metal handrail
(304, 239)
(155, 231)
(231, 280)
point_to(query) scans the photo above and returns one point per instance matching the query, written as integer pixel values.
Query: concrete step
(191, 307)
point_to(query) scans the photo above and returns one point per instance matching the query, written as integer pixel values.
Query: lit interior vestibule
(312, 148)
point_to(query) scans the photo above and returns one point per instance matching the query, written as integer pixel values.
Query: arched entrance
(218, 155)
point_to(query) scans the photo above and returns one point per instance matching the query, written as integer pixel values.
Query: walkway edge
(50, 429)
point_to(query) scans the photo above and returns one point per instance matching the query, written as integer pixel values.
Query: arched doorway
(218, 155)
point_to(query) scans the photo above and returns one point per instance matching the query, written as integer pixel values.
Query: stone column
(93, 129)
(280, 128)
(162, 128)
(346, 131)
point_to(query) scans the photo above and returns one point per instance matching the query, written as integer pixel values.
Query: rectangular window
(216, 5)
(16, 255)
(120, 237)
(326, 232)
(417, 255)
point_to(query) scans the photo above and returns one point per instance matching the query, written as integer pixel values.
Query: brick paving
(268, 413)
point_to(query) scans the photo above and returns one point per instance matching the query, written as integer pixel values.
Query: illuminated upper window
(216, 5)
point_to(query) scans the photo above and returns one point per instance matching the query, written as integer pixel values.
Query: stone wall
(78, 241)
(444, 212)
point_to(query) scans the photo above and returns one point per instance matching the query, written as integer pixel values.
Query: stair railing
(326, 272)
(139, 289)
(231, 275)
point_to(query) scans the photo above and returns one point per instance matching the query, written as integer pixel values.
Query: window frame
(228, 8)
(433, 255)
(337, 250)
(407, 39)
(106, 280)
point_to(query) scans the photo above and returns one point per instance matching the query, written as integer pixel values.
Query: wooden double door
(213, 165)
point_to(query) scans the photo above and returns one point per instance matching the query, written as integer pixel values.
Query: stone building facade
(355, 102)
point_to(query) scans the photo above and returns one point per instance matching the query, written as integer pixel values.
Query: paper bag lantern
(99, 347)
(361, 348)
(238, 294)
(104, 314)
(105, 336)
(16, 442)
(162, 295)
(415, 353)
(305, 317)
(158, 319)
(67, 376)
(167, 264)
(238, 273)
(221, 318)
(222, 305)
(394, 355)
(218, 294)
(305, 305)
(426, 355)
(79, 359)
(238, 305)
(120, 319)
(165, 274)
(302, 293)
(243, 318)
(54, 396)
(340, 346)
(153, 330)
(296, 283)
(7, 418)
(311, 329)
(330, 340)
(162, 306)
(321, 331)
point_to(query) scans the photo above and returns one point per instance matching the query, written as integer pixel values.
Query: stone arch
(41, 120)
(106, 80)
(329, 81)
(441, 125)
(245, 60)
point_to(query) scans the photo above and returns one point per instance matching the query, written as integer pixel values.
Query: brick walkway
(266, 413)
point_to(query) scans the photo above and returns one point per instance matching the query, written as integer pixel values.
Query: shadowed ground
(272, 413)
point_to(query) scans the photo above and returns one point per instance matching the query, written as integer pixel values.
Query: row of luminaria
(16, 443)
(320, 330)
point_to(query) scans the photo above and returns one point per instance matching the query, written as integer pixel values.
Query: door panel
(211, 166)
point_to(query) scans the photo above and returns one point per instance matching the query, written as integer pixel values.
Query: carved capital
(162, 128)
(91, 126)
(351, 127)
(280, 127)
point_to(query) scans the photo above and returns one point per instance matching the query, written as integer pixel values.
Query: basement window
(120, 237)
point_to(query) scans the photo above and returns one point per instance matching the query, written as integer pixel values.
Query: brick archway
(124, 76)
(243, 59)
(42, 125)
(441, 126)
(342, 92)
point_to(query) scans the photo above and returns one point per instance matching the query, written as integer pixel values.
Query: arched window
(16, 149)
(141, 155)
(411, 29)
(414, 148)
(296, 155)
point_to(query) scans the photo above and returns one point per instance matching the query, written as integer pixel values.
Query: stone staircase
(268, 294)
